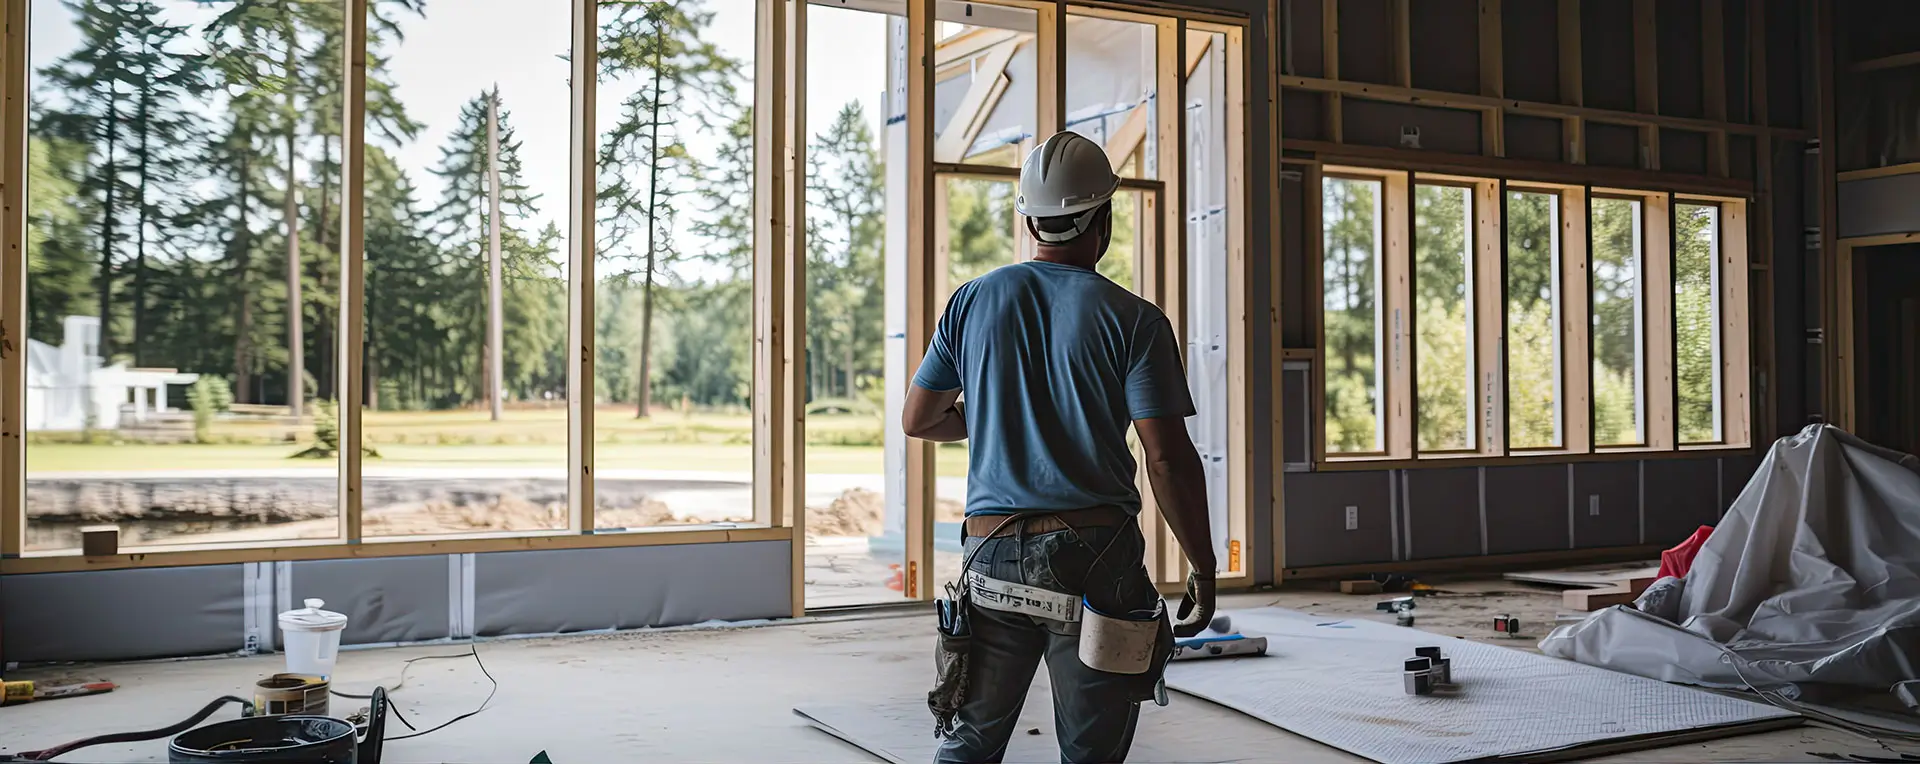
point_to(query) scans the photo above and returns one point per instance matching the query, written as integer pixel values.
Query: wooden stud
(1396, 262)
(1736, 367)
(406, 546)
(1171, 101)
(1838, 387)
(918, 578)
(1713, 56)
(1050, 68)
(1330, 67)
(790, 436)
(1475, 165)
(1657, 261)
(1400, 27)
(1276, 423)
(1489, 287)
(1899, 61)
(1757, 64)
(1576, 324)
(1240, 297)
(1908, 168)
(1493, 74)
(1646, 79)
(584, 155)
(13, 277)
(1312, 184)
(352, 321)
(1475, 102)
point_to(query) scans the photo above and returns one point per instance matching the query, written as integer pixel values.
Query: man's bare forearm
(1180, 486)
(952, 426)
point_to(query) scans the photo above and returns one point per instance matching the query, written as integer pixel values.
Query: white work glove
(1196, 609)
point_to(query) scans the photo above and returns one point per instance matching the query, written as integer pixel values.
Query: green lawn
(838, 444)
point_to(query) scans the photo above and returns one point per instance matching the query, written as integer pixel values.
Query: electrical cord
(130, 737)
(474, 650)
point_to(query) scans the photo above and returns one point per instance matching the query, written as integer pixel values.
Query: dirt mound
(858, 512)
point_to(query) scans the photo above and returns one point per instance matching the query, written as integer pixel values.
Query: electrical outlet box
(1353, 518)
(1593, 504)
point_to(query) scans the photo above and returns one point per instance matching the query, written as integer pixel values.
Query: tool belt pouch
(1137, 648)
(950, 663)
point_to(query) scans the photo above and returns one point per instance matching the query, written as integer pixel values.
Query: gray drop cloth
(1339, 682)
(1813, 576)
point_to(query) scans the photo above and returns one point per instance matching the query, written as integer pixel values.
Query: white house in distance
(65, 383)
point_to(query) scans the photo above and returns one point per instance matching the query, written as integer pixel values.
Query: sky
(460, 48)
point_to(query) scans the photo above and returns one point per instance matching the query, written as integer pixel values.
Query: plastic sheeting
(1812, 578)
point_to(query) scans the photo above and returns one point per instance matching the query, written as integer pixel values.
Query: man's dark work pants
(1093, 712)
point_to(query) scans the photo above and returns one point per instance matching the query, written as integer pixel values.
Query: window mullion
(1489, 286)
(1397, 256)
(1576, 324)
(1661, 392)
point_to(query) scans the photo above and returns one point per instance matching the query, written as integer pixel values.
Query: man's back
(1055, 362)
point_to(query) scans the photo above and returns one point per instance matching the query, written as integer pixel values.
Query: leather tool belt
(997, 526)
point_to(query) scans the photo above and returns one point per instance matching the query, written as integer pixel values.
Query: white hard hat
(1066, 176)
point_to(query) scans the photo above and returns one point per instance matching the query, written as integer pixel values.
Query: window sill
(56, 561)
(1436, 461)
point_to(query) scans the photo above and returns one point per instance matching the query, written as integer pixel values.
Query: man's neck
(1062, 258)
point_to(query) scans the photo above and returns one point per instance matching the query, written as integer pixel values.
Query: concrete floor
(709, 695)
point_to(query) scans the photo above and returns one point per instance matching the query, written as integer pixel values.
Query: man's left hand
(1196, 610)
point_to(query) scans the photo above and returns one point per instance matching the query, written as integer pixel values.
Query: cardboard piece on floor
(1595, 577)
(1189, 729)
(1339, 682)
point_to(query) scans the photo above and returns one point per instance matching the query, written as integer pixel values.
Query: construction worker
(1055, 361)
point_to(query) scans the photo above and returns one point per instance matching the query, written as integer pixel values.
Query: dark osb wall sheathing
(1445, 512)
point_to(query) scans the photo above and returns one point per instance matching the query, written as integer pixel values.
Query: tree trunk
(645, 396)
(496, 375)
(849, 358)
(329, 356)
(242, 249)
(296, 343)
(110, 173)
(142, 126)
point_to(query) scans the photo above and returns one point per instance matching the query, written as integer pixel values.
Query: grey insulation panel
(1612, 145)
(1606, 54)
(1305, 49)
(1339, 682)
(1366, 41)
(1316, 518)
(569, 590)
(1526, 508)
(1880, 205)
(123, 614)
(1531, 56)
(1303, 116)
(1441, 508)
(392, 599)
(1606, 504)
(1683, 151)
(1443, 32)
(1735, 473)
(1536, 138)
(1681, 495)
(1294, 318)
(1679, 32)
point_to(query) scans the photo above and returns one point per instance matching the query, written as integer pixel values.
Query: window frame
(1573, 281)
(1476, 310)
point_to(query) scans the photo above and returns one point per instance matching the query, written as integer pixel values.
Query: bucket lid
(312, 618)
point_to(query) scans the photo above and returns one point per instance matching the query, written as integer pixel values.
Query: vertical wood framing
(13, 273)
(1489, 285)
(1713, 56)
(1837, 390)
(1276, 508)
(1572, 86)
(1646, 79)
(580, 265)
(1736, 366)
(789, 395)
(1400, 27)
(1050, 67)
(1330, 67)
(1171, 101)
(1396, 260)
(918, 579)
(353, 128)
(1240, 391)
(1312, 183)
(1839, 337)
(1657, 261)
(1576, 323)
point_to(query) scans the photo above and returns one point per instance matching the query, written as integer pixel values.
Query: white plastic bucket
(311, 639)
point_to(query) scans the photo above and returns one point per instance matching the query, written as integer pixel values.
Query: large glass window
(182, 214)
(1696, 321)
(465, 421)
(1443, 316)
(855, 301)
(1350, 315)
(1619, 316)
(1533, 320)
(673, 245)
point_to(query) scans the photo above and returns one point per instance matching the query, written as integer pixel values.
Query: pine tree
(845, 262)
(683, 82)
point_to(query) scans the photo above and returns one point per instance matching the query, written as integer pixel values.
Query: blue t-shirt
(1055, 362)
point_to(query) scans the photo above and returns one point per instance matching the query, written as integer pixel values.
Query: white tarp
(1813, 576)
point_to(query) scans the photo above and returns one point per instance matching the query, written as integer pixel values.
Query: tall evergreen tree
(845, 262)
(683, 84)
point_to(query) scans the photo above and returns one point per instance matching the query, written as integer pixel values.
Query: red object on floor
(1678, 560)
